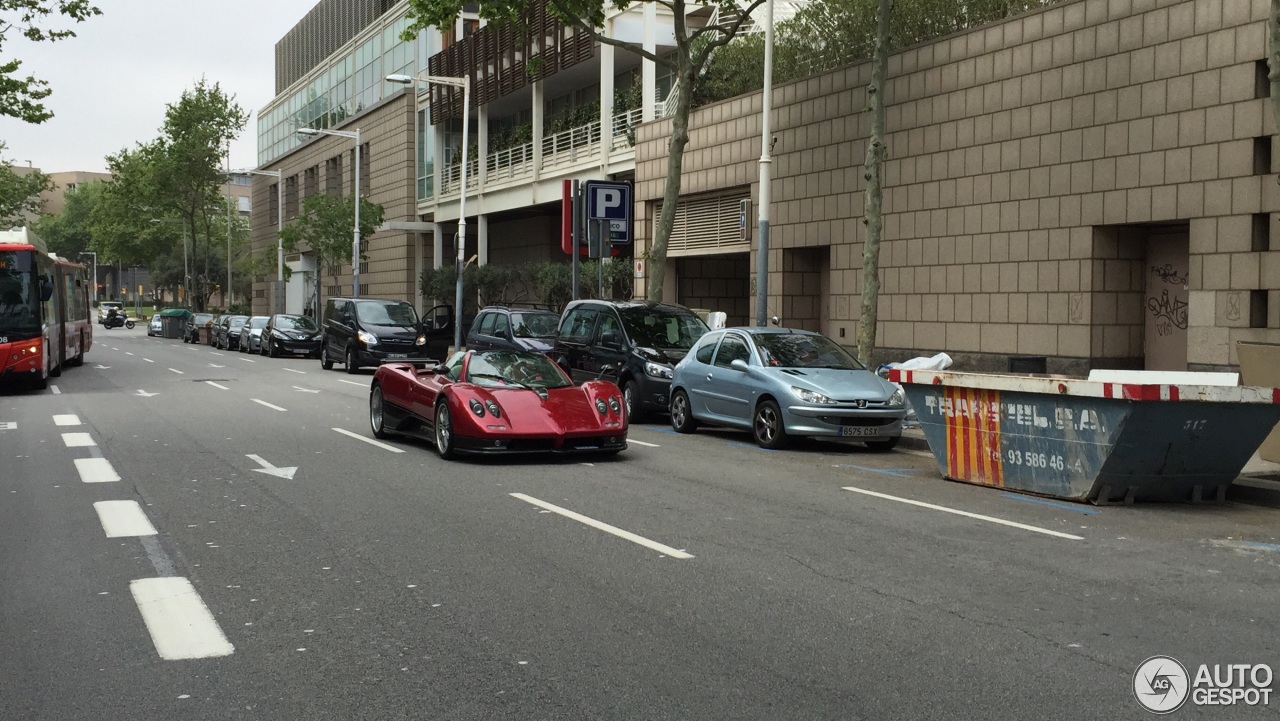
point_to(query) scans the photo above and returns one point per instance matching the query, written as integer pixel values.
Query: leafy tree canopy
(20, 193)
(325, 226)
(20, 97)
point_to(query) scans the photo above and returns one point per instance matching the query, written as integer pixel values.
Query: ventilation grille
(708, 226)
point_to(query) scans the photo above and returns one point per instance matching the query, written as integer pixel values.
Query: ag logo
(1161, 684)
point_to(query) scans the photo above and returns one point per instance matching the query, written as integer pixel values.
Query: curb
(1248, 490)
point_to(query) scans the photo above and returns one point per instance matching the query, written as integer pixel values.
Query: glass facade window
(426, 156)
(352, 83)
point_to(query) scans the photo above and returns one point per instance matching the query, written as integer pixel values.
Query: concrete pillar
(538, 106)
(606, 98)
(482, 141)
(437, 140)
(482, 239)
(437, 245)
(648, 76)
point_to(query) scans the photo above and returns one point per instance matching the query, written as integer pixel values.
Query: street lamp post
(465, 84)
(766, 161)
(355, 243)
(279, 176)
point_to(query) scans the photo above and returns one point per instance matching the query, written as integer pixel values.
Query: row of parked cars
(274, 335)
(775, 382)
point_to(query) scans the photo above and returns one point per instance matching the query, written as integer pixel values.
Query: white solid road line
(218, 385)
(96, 470)
(78, 440)
(294, 371)
(967, 514)
(123, 519)
(175, 370)
(66, 420)
(181, 626)
(269, 405)
(599, 525)
(362, 385)
(370, 441)
(643, 443)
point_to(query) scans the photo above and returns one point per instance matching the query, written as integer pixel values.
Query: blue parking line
(1064, 506)
(750, 445)
(895, 472)
(1264, 546)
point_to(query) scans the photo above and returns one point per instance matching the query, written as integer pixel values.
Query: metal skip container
(1084, 440)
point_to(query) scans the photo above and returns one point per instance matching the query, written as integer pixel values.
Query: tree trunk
(671, 193)
(873, 166)
(1273, 61)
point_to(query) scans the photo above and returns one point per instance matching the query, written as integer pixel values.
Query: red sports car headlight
(494, 410)
(615, 406)
(600, 406)
(477, 408)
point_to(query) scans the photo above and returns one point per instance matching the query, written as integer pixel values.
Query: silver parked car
(781, 382)
(251, 334)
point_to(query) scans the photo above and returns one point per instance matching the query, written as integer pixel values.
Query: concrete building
(543, 111)
(1092, 182)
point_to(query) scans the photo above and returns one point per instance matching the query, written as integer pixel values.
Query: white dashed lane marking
(643, 443)
(269, 405)
(66, 420)
(180, 624)
(218, 385)
(78, 440)
(966, 514)
(370, 441)
(362, 385)
(602, 526)
(175, 370)
(123, 519)
(296, 371)
(96, 470)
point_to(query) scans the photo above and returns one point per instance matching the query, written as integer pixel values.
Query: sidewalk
(1258, 484)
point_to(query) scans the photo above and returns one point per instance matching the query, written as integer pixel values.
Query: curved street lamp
(465, 84)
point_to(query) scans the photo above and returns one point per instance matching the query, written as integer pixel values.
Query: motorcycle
(117, 322)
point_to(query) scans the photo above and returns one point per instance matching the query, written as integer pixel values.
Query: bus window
(19, 294)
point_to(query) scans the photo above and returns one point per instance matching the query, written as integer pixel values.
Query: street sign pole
(603, 232)
(577, 234)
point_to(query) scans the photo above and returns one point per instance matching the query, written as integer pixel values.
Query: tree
(21, 97)
(872, 173)
(70, 232)
(325, 226)
(694, 47)
(20, 193)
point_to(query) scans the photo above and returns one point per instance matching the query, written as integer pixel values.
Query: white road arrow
(285, 472)
(101, 367)
(304, 390)
(145, 394)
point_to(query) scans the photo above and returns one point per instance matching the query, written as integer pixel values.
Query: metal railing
(511, 164)
(572, 145)
(624, 128)
(451, 177)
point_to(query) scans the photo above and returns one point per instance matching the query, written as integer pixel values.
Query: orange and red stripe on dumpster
(973, 435)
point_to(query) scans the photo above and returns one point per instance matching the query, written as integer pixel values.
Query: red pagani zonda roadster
(495, 402)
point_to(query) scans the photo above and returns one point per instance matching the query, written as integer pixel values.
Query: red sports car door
(425, 392)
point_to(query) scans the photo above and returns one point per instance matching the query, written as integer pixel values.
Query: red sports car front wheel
(444, 431)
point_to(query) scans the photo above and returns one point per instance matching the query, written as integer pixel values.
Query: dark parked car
(228, 331)
(366, 331)
(290, 335)
(251, 334)
(634, 343)
(514, 328)
(191, 333)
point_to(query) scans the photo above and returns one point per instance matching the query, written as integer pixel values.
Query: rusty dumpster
(1084, 440)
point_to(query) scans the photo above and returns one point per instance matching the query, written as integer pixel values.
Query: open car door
(437, 326)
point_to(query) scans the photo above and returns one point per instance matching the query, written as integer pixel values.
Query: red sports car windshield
(496, 369)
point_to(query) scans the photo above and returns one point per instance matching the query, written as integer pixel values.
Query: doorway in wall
(806, 284)
(1165, 297)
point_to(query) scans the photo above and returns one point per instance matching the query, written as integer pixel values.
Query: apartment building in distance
(1093, 183)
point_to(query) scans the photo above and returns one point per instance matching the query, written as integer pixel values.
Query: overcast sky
(111, 83)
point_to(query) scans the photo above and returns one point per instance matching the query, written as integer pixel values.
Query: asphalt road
(379, 582)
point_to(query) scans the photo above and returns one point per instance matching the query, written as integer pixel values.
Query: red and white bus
(44, 311)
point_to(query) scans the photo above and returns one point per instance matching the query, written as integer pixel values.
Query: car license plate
(859, 431)
(397, 356)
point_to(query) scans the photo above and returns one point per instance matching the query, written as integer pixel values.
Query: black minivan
(635, 343)
(366, 331)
